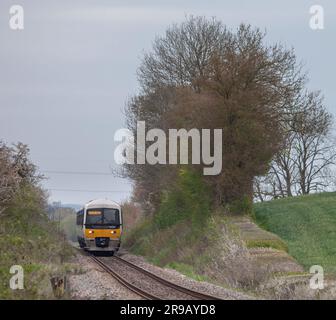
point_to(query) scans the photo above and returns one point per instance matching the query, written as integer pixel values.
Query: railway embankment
(263, 253)
(33, 252)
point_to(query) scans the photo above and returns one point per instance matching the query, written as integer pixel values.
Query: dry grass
(231, 263)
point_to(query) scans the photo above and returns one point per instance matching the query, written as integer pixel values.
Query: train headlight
(113, 232)
(91, 231)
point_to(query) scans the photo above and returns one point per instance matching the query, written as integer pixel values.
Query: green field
(307, 224)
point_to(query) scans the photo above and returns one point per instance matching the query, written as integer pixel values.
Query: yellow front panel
(102, 233)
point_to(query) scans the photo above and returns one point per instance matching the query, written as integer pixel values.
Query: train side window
(80, 217)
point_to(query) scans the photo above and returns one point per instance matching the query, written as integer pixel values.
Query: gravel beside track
(180, 279)
(93, 283)
(141, 279)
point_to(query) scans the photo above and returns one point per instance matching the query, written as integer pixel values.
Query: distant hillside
(56, 205)
(307, 224)
(72, 206)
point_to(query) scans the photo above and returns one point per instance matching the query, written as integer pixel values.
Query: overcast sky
(65, 78)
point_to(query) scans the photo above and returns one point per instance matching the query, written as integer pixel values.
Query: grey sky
(65, 78)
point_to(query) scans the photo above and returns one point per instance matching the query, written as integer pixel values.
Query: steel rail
(124, 282)
(192, 293)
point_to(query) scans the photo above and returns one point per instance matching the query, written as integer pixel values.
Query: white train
(99, 226)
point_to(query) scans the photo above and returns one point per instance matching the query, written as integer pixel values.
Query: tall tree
(202, 75)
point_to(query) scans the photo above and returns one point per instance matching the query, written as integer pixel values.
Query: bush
(242, 206)
(16, 171)
(188, 200)
(28, 238)
(180, 221)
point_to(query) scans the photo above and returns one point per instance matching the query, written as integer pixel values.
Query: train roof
(102, 203)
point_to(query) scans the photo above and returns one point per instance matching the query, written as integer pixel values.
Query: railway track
(123, 281)
(146, 284)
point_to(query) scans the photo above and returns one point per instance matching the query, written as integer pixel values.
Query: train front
(102, 226)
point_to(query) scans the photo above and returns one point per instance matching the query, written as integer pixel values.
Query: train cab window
(80, 217)
(94, 216)
(111, 216)
(102, 217)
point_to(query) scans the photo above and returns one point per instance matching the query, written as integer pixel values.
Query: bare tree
(183, 54)
(314, 151)
(304, 163)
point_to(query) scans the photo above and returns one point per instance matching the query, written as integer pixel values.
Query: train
(99, 226)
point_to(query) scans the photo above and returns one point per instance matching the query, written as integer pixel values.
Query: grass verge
(307, 224)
